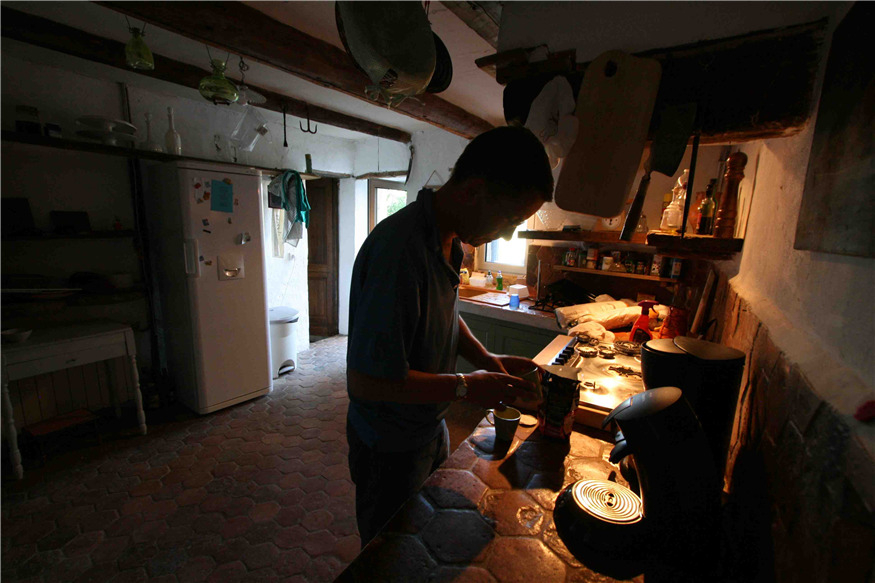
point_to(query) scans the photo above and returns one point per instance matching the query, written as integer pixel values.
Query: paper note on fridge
(222, 198)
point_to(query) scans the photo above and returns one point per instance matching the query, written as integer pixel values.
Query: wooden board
(838, 204)
(493, 298)
(614, 107)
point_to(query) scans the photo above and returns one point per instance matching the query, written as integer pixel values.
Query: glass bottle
(172, 139)
(707, 209)
(673, 213)
(216, 87)
(137, 54)
(150, 144)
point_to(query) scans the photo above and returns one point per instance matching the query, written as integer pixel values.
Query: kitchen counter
(487, 514)
(523, 315)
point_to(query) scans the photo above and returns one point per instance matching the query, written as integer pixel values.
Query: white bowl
(15, 335)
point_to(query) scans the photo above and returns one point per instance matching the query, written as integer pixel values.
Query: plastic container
(250, 128)
(514, 301)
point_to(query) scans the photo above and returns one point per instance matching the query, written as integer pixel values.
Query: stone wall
(801, 475)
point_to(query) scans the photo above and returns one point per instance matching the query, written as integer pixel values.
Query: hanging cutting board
(614, 107)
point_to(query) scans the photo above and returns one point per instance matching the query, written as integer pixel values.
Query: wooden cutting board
(614, 107)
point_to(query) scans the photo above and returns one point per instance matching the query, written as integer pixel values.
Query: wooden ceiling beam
(71, 41)
(483, 18)
(245, 31)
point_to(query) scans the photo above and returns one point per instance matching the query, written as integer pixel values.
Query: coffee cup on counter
(505, 422)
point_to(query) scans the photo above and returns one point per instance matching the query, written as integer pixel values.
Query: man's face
(494, 218)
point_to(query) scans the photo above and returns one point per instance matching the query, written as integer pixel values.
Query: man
(404, 326)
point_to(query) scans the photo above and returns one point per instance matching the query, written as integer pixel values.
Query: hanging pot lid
(391, 42)
(443, 68)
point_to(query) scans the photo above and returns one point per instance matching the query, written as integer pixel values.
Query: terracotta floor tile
(256, 492)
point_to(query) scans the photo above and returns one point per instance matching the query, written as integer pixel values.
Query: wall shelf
(98, 148)
(120, 234)
(587, 236)
(615, 274)
(690, 246)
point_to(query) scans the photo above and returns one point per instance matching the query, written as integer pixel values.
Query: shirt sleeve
(386, 313)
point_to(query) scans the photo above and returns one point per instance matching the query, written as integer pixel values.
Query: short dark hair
(509, 159)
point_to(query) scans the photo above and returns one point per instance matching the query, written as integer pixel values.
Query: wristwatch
(461, 386)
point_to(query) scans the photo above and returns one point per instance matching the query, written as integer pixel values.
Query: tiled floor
(257, 492)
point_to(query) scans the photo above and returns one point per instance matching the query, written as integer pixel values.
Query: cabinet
(503, 337)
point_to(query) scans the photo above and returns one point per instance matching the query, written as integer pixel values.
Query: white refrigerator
(206, 244)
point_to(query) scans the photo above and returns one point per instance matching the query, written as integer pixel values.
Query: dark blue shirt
(403, 315)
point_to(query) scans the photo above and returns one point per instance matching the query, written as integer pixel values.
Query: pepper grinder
(724, 224)
(172, 139)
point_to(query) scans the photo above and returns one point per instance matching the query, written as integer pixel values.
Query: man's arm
(474, 352)
(487, 389)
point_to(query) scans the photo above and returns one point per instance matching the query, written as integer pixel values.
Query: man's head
(502, 177)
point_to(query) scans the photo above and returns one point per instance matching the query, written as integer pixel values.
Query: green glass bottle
(707, 209)
(137, 54)
(216, 87)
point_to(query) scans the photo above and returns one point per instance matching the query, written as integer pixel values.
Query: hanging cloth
(287, 191)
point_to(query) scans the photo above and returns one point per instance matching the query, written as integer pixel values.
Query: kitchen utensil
(96, 122)
(505, 422)
(674, 124)
(677, 478)
(107, 137)
(534, 377)
(614, 107)
(709, 375)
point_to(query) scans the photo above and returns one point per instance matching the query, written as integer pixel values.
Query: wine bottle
(172, 139)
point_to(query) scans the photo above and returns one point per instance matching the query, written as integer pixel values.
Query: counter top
(487, 514)
(524, 315)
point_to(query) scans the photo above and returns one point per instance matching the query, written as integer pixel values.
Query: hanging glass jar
(216, 87)
(137, 54)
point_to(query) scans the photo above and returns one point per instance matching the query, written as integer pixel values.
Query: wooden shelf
(694, 245)
(120, 234)
(615, 274)
(691, 246)
(588, 236)
(98, 148)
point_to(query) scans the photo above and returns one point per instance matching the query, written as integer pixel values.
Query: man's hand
(490, 389)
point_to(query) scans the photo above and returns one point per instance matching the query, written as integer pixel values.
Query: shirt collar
(425, 197)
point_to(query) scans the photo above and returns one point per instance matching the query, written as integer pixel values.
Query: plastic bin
(283, 346)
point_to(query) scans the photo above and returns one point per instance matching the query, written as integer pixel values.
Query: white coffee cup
(505, 421)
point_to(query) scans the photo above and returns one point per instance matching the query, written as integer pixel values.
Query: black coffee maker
(677, 534)
(709, 375)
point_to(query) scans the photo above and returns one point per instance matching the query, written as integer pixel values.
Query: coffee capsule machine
(709, 375)
(670, 526)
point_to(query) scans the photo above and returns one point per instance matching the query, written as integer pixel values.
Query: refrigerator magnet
(208, 262)
(229, 220)
(236, 202)
(227, 181)
(206, 196)
(201, 258)
(206, 222)
(222, 199)
(207, 232)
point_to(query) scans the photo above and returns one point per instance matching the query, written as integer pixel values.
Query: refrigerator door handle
(192, 265)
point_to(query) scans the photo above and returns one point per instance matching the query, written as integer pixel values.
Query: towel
(287, 191)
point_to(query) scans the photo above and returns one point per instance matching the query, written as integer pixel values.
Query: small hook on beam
(301, 125)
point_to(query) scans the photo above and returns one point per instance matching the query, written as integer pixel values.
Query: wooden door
(322, 267)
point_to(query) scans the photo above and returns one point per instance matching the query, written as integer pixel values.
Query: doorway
(322, 269)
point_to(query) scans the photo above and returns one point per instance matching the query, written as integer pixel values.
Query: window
(509, 256)
(384, 198)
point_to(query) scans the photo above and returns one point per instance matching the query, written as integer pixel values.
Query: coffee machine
(671, 525)
(709, 375)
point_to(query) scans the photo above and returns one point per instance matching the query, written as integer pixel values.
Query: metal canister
(676, 265)
(656, 266)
